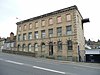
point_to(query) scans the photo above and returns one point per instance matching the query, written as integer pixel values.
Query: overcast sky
(24, 9)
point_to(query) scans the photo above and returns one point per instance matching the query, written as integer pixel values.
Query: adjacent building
(2, 40)
(58, 34)
(9, 42)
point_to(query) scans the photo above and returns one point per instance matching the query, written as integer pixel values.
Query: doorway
(50, 48)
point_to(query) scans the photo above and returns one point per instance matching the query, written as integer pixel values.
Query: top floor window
(59, 20)
(24, 27)
(43, 22)
(19, 28)
(36, 24)
(68, 16)
(50, 21)
(30, 26)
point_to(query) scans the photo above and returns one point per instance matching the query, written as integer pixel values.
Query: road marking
(37, 67)
(46, 69)
(13, 62)
(88, 66)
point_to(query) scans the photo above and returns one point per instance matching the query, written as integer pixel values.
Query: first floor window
(36, 35)
(59, 31)
(30, 35)
(19, 37)
(69, 30)
(50, 31)
(43, 34)
(24, 36)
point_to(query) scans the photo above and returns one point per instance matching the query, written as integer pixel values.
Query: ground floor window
(24, 47)
(29, 48)
(19, 48)
(36, 47)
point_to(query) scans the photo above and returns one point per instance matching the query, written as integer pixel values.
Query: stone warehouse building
(58, 34)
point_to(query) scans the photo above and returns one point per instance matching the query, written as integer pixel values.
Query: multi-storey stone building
(58, 34)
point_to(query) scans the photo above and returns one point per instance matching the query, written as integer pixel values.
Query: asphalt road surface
(22, 65)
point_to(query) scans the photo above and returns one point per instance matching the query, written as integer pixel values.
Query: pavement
(11, 64)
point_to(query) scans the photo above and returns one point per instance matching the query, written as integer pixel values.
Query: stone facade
(58, 34)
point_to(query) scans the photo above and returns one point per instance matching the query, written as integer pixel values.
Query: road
(21, 65)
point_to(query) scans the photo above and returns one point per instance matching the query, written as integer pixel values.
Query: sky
(25, 9)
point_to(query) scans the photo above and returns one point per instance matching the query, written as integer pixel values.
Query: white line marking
(37, 67)
(46, 69)
(88, 66)
(14, 62)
